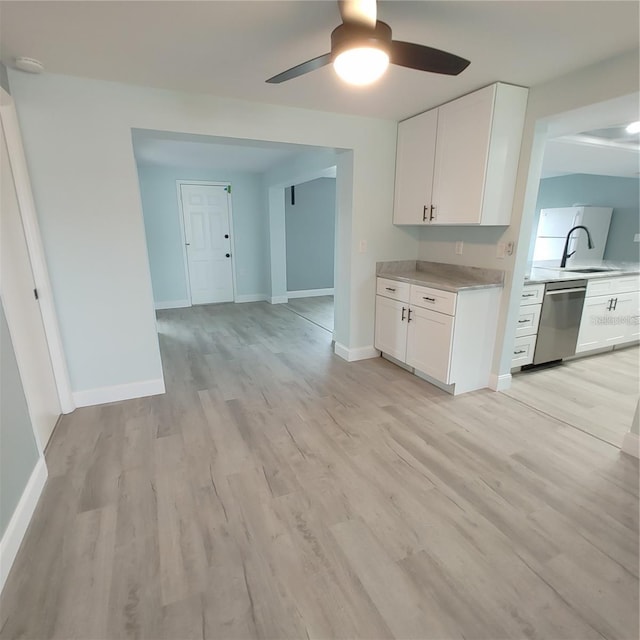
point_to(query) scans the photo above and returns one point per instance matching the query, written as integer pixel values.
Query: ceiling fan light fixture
(361, 65)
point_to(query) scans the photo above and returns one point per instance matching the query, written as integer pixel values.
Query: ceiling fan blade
(301, 69)
(363, 12)
(417, 56)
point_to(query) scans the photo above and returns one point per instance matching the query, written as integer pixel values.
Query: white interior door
(23, 310)
(208, 238)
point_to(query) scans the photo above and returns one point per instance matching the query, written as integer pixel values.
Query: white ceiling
(575, 149)
(563, 157)
(230, 48)
(162, 148)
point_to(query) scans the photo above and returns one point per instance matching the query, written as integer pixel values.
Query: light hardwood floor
(318, 309)
(277, 491)
(597, 394)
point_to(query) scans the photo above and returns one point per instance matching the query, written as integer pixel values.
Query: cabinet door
(391, 327)
(464, 131)
(414, 168)
(601, 324)
(429, 340)
(628, 310)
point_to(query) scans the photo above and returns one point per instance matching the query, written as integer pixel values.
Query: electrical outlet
(501, 250)
(510, 248)
(363, 246)
(459, 247)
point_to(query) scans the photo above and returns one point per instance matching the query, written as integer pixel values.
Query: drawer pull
(528, 295)
(389, 288)
(428, 299)
(522, 321)
(517, 353)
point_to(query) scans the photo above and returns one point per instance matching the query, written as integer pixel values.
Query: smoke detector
(30, 65)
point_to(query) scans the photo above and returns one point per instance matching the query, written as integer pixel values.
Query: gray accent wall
(622, 194)
(18, 450)
(310, 235)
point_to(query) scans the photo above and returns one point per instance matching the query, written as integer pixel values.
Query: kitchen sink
(591, 270)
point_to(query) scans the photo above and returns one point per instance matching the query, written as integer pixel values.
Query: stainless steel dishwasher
(559, 320)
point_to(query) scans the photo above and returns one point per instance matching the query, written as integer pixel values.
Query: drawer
(532, 294)
(528, 320)
(605, 286)
(523, 349)
(393, 289)
(433, 299)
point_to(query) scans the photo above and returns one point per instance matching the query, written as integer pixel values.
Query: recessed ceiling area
(231, 48)
(594, 141)
(169, 149)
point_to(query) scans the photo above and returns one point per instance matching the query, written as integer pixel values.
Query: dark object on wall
(293, 194)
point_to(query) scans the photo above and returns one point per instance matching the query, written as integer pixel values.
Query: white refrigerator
(554, 224)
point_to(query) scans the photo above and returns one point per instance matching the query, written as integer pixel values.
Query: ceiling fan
(362, 48)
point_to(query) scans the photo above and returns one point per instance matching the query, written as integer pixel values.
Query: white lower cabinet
(523, 349)
(447, 337)
(608, 320)
(429, 341)
(391, 327)
(527, 328)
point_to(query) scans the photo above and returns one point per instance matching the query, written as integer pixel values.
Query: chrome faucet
(565, 254)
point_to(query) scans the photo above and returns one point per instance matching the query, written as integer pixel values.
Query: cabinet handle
(528, 295)
(424, 213)
(403, 312)
(409, 317)
(522, 321)
(431, 215)
(428, 299)
(615, 303)
(389, 288)
(517, 353)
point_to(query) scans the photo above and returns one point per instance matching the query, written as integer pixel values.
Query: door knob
(228, 255)
(226, 235)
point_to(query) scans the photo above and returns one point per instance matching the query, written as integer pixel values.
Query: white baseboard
(252, 297)
(172, 304)
(631, 444)
(359, 353)
(499, 383)
(278, 300)
(310, 293)
(102, 395)
(17, 527)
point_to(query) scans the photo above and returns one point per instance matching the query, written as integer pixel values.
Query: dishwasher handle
(558, 291)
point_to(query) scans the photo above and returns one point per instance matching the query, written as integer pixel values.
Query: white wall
(594, 84)
(163, 223)
(77, 135)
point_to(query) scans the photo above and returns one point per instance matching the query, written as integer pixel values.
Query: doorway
(206, 216)
(588, 176)
(310, 232)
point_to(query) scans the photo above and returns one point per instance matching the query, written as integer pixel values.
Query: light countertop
(448, 277)
(549, 271)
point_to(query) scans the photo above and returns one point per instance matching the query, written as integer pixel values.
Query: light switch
(363, 246)
(459, 247)
(501, 251)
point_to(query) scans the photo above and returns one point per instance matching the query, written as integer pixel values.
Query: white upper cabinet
(414, 168)
(457, 164)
